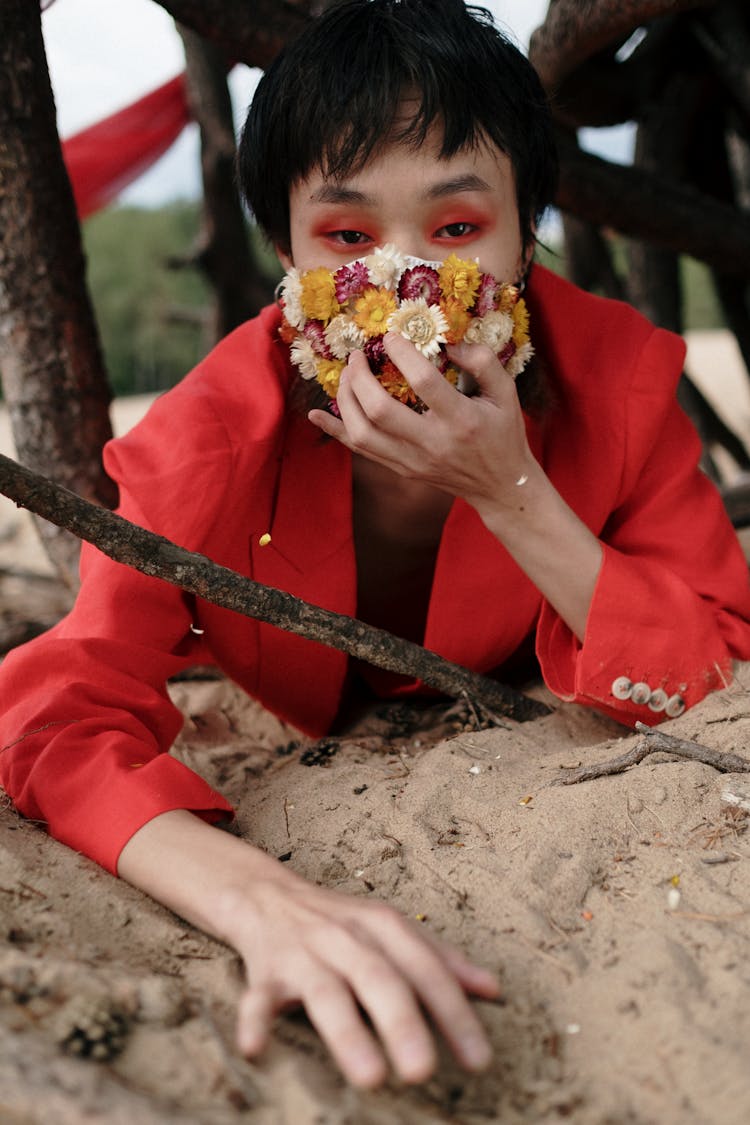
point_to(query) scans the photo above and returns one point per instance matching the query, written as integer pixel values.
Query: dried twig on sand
(653, 742)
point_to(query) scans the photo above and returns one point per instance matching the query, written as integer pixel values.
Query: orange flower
(457, 317)
(287, 333)
(328, 374)
(459, 279)
(318, 296)
(394, 382)
(372, 310)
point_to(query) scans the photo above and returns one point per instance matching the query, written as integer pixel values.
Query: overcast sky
(103, 54)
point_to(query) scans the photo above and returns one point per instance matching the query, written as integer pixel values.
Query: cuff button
(675, 706)
(641, 693)
(658, 700)
(622, 687)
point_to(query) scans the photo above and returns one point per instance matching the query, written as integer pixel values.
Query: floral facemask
(328, 314)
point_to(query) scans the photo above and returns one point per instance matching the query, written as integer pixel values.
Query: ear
(284, 257)
(526, 257)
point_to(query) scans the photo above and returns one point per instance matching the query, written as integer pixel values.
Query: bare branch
(654, 208)
(158, 557)
(575, 30)
(250, 33)
(656, 741)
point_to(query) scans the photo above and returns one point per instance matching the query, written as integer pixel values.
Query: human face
(427, 205)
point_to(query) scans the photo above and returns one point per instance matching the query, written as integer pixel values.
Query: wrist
(516, 501)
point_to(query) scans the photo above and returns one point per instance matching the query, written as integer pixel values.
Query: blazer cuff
(108, 813)
(634, 664)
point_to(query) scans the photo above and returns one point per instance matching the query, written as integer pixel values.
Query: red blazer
(219, 461)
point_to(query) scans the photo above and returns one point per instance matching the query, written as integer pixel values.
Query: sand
(616, 913)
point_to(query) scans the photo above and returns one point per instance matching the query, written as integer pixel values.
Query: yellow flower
(507, 298)
(520, 323)
(459, 279)
(452, 373)
(457, 318)
(372, 310)
(328, 375)
(318, 296)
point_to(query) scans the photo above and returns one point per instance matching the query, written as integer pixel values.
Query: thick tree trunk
(588, 258)
(50, 360)
(223, 252)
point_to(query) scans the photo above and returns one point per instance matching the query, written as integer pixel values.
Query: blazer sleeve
(671, 607)
(86, 718)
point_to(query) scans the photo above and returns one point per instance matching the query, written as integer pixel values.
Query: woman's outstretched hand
(365, 976)
(377, 987)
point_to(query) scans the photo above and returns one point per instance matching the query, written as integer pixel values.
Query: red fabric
(103, 159)
(218, 462)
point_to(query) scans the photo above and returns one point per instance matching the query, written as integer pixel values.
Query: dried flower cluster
(329, 314)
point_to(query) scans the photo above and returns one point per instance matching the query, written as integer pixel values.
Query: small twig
(653, 742)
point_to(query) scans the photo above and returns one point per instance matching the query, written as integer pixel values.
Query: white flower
(517, 362)
(423, 324)
(343, 335)
(304, 357)
(386, 264)
(494, 329)
(291, 293)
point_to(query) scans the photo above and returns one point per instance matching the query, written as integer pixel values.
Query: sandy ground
(616, 912)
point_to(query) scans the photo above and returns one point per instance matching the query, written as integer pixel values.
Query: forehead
(422, 171)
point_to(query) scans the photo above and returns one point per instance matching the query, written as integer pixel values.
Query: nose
(408, 241)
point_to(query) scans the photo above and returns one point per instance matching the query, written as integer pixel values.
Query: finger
(257, 1007)
(371, 418)
(372, 405)
(472, 978)
(395, 1013)
(481, 362)
(423, 377)
(332, 1011)
(328, 424)
(380, 988)
(442, 995)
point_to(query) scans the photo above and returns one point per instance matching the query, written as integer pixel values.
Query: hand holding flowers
(328, 315)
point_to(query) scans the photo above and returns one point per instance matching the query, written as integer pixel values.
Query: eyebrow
(469, 182)
(338, 193)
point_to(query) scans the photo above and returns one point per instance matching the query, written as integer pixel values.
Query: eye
(349, 237)
(456, 230)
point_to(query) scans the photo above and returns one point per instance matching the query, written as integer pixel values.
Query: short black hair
(333, 97)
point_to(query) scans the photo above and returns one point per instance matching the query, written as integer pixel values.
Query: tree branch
(159, 558)
(574, 31)
(652, 207)
(250, 33)
(656, 741)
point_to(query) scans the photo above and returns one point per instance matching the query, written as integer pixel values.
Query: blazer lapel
(310, 555)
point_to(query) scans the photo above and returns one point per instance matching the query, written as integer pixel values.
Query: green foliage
(136, 294)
